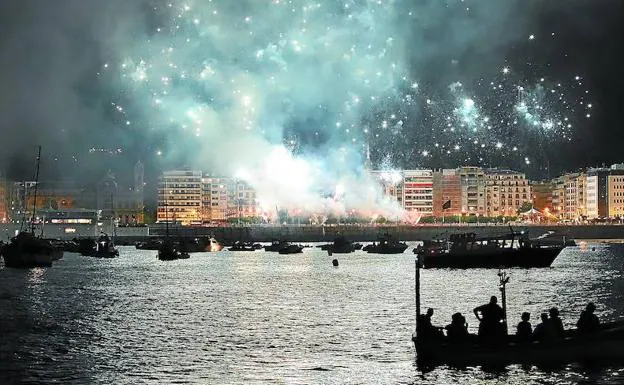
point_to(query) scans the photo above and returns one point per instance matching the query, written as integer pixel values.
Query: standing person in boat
(490, 316)
(588, 322)
(524, 330)
(557, 324)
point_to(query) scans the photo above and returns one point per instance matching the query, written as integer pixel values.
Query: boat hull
(495, 258)
(602, 347)
(20, 257)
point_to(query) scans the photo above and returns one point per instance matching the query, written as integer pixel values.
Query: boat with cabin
(468, 250)
(601, 346)
(341, 245)
(25, 249)
(386, 245)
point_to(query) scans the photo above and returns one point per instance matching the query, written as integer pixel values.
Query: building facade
(418, 191)
(472, 184)
(447, 193)
(180, 197)
(542, 196)
(506, 191)
(615, 197)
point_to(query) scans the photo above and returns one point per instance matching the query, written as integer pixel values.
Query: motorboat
(467, 250)
(386, 245)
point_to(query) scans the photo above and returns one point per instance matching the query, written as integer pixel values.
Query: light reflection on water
(264, 318)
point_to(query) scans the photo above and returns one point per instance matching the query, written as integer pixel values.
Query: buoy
(593, 249)
(335, 262)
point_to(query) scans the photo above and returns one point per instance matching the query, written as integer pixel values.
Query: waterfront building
(418, 191)
(558, 196)
(447, 194)
(541, 194)
(615, 197)
(505, 192)
(180, 197)
(215, 199)
(4, 200)
(243, 202)
(472, 184)
(574, 196)
(598, 192)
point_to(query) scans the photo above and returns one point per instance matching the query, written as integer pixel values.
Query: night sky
(65, 84)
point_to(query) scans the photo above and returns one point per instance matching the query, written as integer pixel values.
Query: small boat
(87, 246)
(276, 245)
(341, 245)
(243, 246)
(25, 250)
(200, 245)
(105, 248)
(291, 249)
(603, 346)
(150, 244)
(467, 250)
(387, 245)
(168, 251)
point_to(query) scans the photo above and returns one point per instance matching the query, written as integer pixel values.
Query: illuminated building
(542, 196)
(215, 199)
(505, 191)
(615, 200)
(472, 183)
(4, 201)
(418, 191)
(180, 194)
(598, 193)
(574, 196)
(446, 189)
(391, 184)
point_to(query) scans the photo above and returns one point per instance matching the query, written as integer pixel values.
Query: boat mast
(417, 289)
(112, 218)
(503, 280)
(32, 219)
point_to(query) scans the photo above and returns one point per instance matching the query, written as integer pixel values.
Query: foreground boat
(467, 250)
(602, 346)
(25, 250)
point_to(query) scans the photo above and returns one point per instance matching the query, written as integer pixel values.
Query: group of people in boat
(492, 328)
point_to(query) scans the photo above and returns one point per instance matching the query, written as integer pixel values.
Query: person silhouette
(588, 322)
(524, 330)
(490, 316)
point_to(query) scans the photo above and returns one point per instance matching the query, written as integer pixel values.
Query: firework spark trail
(290, 93)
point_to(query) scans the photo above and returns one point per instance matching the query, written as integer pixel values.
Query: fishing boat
(105, 245)
(467, 250)
(386, 245)
(291, 248)
(341, 245)
(26, 250)
(243, 246)
(276, 245)
(605, 345)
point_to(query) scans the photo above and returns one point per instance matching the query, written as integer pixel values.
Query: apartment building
(180, 197)
(541, 193)
(615, 197)
(472, 184)
(505, 191)
(446, 190)
(418, 191)
(574, 197)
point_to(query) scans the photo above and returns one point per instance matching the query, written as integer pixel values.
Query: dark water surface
(256, 317)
